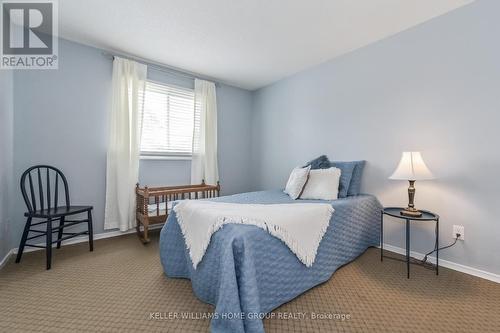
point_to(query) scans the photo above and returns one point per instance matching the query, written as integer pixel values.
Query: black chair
(44, 204)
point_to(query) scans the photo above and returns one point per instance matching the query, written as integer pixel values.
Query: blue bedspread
(246, 271)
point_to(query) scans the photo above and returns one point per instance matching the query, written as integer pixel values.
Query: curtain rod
(160, 67)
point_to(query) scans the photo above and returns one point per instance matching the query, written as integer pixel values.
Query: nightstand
(426, 217)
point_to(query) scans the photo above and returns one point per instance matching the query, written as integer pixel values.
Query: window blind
(168, 120)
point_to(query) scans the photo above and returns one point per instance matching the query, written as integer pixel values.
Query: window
(168, 121)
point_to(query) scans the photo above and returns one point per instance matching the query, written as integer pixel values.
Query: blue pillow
(355, 186)
(346, 171)
(321, 162)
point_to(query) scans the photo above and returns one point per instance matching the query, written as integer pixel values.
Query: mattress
(247, 273)
(153, 209)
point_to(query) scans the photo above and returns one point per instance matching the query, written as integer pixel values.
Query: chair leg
(23, 240)
(48, 246)
(60, 232)
(91, 231)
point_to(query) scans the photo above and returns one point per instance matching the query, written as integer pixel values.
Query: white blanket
(301, 226)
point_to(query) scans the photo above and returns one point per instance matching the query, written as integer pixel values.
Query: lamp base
(411, 212)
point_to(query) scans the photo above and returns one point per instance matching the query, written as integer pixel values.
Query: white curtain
(204, 160)
(122, 171)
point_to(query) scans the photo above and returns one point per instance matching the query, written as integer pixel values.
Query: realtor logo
(29, 34)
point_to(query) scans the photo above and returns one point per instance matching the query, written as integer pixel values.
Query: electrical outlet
(459, 229)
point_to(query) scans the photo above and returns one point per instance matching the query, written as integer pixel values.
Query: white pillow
(296, 181)
(322, 184)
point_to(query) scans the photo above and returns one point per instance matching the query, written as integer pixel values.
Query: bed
(247, 273)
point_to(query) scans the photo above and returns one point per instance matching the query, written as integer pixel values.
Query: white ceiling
(247, 43)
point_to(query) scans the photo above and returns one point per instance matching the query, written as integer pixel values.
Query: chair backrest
(40, 188)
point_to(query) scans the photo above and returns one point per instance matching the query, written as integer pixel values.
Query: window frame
(159, 155)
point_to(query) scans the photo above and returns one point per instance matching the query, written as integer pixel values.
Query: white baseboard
(6, 257)
(448, 264)
(75, 240)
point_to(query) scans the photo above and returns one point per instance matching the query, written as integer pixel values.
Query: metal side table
(426, 217)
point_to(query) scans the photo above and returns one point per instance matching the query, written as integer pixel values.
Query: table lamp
(411, 168)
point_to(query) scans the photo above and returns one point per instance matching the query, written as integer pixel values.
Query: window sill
(165, 157)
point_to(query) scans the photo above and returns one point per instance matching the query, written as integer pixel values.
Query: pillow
(296, 182)
(355, 186)
(347, 169)
(321, 162)
(322, 184)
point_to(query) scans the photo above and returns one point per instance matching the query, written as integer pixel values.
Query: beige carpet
(119, 285)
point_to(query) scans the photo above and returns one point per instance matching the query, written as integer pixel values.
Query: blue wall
(6, 156)
(433, 88)
(61, 118)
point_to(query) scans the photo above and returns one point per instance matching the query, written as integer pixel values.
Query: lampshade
(411, 167)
